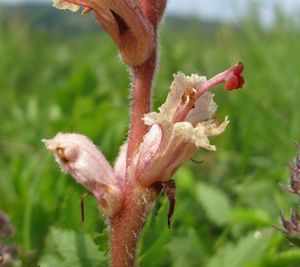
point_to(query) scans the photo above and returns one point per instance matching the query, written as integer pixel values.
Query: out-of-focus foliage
(226, 206)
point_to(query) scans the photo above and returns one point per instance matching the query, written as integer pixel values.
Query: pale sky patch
(224, 10)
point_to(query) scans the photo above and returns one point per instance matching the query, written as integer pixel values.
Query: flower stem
(126, 226)
(141, 103)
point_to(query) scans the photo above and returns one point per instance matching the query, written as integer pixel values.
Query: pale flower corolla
(78, 156)
(61, 4)
(182, 125)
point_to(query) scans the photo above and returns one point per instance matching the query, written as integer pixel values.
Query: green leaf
(72, 249)
(247, 249)
(290, 258)
(295, 240)
(51, 260)
(216, 204)
(257, 217)
(185, 249)
(185, 180)
(156, 253)
(154, 239)
(102, 241)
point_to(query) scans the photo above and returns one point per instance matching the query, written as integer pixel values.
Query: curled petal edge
(64, 5)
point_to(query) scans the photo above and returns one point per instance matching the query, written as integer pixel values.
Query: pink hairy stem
(143, 80)
(126, 226)
(141, 102)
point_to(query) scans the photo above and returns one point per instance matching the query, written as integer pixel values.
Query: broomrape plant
(158, 142)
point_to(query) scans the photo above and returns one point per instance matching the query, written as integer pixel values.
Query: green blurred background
(60, 72)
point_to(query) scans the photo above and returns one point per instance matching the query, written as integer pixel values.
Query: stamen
(189, 94)
(85, 11)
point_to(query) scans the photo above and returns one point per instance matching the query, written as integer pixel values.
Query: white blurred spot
(257, 235)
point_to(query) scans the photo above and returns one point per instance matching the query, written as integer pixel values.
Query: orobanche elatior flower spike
(158, 142)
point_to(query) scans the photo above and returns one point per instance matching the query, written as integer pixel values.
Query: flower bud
(291, 228)
(124, 21)
(78, 156)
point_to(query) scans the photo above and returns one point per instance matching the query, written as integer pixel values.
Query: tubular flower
(78, 156)
(182, 125)
(125, 21)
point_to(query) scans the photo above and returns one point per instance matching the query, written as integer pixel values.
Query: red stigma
(234, 79)
(238, 69)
